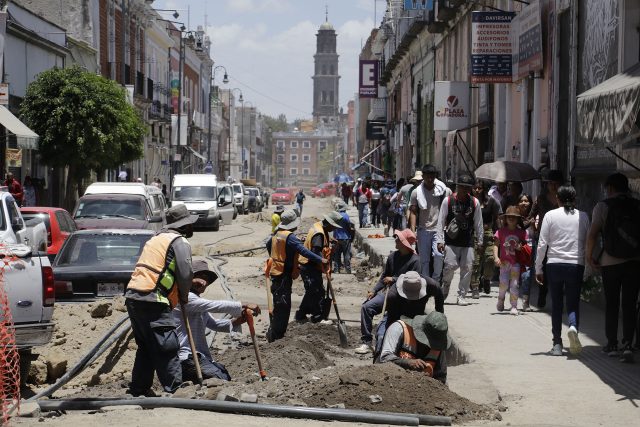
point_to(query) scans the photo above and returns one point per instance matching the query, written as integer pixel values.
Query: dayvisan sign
(451, 105)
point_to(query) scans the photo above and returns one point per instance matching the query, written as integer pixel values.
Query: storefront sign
(451, 105)
(368, 78)
(4, 93)
(376, 130)
(175, 84)
(418, 4)
(491, 47)
(14, 157)
(527, 28)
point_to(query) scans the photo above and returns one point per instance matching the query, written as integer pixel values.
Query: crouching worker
(418, 344)
(200, 319)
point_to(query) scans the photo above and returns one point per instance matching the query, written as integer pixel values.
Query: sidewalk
(510, 355)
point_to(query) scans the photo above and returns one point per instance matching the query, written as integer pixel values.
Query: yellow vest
(409, 349)
(152, 274)
(279, 255)
(313, 231)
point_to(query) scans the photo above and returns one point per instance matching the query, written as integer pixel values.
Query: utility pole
(180, 65)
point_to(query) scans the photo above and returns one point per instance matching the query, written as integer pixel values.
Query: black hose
(328, 414)
(81, 364)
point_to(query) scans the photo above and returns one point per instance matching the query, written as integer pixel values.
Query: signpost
(368, 81)
(527, 28)
(451, 105)
(491, 47)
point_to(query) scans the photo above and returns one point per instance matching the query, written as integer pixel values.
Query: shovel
(342, 327)
(192, 344)
(248, 314)
(267, 271)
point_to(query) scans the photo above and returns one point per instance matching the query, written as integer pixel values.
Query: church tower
(326, 79)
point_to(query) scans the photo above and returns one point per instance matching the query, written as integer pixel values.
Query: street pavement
(508, 361)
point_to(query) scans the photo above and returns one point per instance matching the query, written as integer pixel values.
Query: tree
(85, 123)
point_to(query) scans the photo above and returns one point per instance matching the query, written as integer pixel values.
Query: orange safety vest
(153, 274)
(279, 255)
(326, 249)
(409, 349)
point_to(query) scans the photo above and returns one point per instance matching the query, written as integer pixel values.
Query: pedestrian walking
(199, 314)
(343, 236)
(512, 198)
(459, 232)
(615, 219)
(363, 195)
(508, 241)
(404, 195)
(14, 187)
(300, 201)
(402, 260)
(161, 279)
(318, 242)
(424, 206)
(284, 248)
(122, 176)
(545, 202)
(375, 201)
(527, 224)
(385, 209)
(397, 207)
(29, 191)
(483, 260)
(562, 240)
(345, 191)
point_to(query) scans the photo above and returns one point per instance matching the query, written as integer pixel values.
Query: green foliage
(276, 124)
(591, 287)
(84, 121)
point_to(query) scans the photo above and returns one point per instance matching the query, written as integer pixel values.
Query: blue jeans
(565, 281)
(369, 309)
(362, 216)
(529, 275)
(343, 252)
(427, 247)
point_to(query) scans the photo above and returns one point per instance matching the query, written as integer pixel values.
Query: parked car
(204, 196)
(97, 263)
(313, 191)
(328, 189)
(239, 200)
(256, 203)
(281, 196)
(15, 229)
(58, 222)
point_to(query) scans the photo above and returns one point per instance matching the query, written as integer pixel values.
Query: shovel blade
(342, 332)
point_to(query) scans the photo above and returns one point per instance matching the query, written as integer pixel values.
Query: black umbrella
(506, 171)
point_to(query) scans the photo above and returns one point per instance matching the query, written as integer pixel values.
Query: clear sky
(267, 46)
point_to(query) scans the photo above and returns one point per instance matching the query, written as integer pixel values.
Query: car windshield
(237, 189)
(102, 249)
(282, 191)
(253, 192)
(194, 193)
(112, 208)
(41, 215)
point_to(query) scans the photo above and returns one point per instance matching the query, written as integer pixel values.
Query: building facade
(304, 159)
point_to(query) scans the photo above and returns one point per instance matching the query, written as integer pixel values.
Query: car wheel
(25, 365)
(216, 225)
(235, 213)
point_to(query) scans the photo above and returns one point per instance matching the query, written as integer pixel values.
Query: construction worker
(319, 242)
(275, 218)
(418, 344)
(161, 279)
(284, 248)
(199, 312)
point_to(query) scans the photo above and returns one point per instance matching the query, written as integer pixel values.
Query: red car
(58, 222)
(282, 196)
(328, 189)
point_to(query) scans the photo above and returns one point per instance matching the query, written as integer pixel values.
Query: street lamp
(225, 80)
(242, 127)
(229, 129)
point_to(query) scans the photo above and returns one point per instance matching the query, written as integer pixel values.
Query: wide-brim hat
(279, 209)
(334, 219)
(407, 238)
(411, 286)
(288, 220)
(341, 207)
(417, 177)
(179, 216)
(465, 179)
(200, 266)
(512, 211)
(431, 330)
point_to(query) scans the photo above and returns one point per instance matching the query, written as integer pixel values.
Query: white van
(203, 196)
(121, 205)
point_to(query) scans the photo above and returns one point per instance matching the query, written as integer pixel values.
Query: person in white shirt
(199, 312)
(562, 240)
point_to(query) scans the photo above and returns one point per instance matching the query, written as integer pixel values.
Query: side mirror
(155, 219)
(246, 192)
(221, 201)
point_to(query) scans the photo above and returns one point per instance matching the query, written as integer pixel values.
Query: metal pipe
(81, 364)
(242, 408)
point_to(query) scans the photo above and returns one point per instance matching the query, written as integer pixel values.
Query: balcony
(139, 90)
(150, 89)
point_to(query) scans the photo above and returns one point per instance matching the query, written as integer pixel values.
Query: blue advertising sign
(491, 47)
(418, 4)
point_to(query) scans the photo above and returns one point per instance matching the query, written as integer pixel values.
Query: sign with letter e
(368, 78)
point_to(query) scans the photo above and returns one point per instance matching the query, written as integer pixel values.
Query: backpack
(622, 228)
(386, 198)
(452, 230)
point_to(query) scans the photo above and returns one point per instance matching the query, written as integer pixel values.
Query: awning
(608, 112)
(26, 137)
(198, 155)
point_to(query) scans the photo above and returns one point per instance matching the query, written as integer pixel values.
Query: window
(280, 173)
(294, 144)
(306, 158)
(306, 144)
(293, 158)
(294, 171)
(280, 158)
(280, 143)
(305, 171)
(322, 145)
